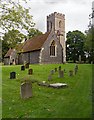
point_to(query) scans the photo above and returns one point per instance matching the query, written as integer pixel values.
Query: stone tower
(56, 23)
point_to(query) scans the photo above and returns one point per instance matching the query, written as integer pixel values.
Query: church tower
(56, 23)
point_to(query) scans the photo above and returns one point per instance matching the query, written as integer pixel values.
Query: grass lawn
(75, 101)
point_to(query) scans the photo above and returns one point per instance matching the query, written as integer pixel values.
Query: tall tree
(75, 45)
(11, 39)
(33, 32)
(14, 16)
(89, 44)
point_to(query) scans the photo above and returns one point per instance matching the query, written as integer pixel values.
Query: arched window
(60, 23)
(52, 48)
(51, 25)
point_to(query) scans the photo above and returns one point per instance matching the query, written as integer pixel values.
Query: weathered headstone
(61, 74)
(23, 68)
(50, 77)
(55, 69)
(75, 69)
(59, 68)
(26, 90)
(76, 66)
(27, 65)
(30, 71)
(52, 72)
(79, 58)
(12, 75)
(71, 73)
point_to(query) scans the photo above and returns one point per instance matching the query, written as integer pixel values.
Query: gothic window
(52, 49)
(60, 24)
(51, 24)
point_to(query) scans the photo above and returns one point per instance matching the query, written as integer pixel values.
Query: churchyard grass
(74, 101)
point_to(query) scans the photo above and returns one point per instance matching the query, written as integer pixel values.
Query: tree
(75, 45)
(11, 39)
(14, 16)
(33, 32)
(89, 44)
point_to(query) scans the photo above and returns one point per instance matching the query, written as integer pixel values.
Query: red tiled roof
(8, 53)
(34, 43)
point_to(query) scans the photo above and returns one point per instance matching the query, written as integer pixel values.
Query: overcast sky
(76, 12)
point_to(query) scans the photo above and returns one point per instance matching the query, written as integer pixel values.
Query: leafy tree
(14, 16)
(89, 44)
(0, 50)
(33, 32)
(75, 45)
(11, 39)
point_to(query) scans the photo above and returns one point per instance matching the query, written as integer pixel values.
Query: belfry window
(52, 49)
(60, 24)
(51, 25)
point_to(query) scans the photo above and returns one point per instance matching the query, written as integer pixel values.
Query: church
(43, 49)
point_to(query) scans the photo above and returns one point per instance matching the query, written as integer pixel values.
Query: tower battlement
(55, 14)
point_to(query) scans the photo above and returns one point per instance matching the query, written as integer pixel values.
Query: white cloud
(76, 12)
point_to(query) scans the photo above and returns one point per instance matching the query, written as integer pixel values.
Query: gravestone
(23, 68)
(27, 65)
(61, 74)
(52, 72)
(59, 68)
(30, 71)
(71, 73)
(64, 70)
(55, 69)
(75, 69)
(50, 77)
(58, 85)
(79, 58)
(12, 75)
(26, 90)
(76, 66)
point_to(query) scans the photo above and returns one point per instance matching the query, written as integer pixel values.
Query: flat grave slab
(58, 85)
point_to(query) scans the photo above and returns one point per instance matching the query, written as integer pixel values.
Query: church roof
(34, 43)
(8, 52)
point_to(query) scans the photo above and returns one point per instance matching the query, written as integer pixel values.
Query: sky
(76, 13)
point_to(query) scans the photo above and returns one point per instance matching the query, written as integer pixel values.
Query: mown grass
(75, 101)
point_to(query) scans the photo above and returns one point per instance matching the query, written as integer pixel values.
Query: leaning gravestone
(27, 65)
(52, 72)
(71, 73)
(12, 75)
(30, 71)
(61, 74)
(26, 90)
(23, 68)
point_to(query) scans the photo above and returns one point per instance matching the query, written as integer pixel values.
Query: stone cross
(26, 90)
